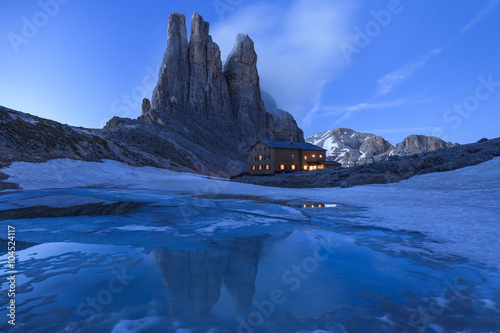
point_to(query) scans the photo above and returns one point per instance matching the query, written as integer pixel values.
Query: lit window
(305, 167)
(253, 168)
(260, 167)
(282, 167)
(267, 167)
(314, 156)
(293, 166)
(319, 206)
(260, 157)
(293, 156)
(320, 156)
(305, 157)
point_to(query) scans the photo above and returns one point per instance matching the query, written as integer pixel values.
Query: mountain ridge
(351, 148)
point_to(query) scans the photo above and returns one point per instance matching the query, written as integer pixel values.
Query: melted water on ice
(123, 260)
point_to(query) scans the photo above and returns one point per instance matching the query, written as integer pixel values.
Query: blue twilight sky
(388, 67)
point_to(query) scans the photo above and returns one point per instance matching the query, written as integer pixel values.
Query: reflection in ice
(171, 263)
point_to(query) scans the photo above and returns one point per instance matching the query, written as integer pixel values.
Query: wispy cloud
(297, 45)
(350, 110)
(347, 111)
(485, 11)
(412, 130)
(390, 81)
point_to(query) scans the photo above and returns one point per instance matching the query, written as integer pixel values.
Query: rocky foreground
(393, 170)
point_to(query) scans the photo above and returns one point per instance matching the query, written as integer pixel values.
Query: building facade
(271, 157)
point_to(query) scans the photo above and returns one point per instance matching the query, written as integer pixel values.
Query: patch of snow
(330, 146)
(490, 304)
(135, 326)
(24, 118)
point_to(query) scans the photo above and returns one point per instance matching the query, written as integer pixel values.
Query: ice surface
(202, 252)
(458, 210)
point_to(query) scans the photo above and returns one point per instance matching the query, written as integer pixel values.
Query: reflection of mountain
(193, 278)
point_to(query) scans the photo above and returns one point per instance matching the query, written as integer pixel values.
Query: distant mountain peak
(350, 148)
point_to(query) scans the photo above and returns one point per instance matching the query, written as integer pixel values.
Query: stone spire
(242, 78)
(172, 89)
(208, 93)
(216, 106)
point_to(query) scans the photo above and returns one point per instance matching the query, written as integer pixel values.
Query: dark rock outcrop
(146, 106)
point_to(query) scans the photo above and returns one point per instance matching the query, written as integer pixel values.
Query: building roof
(290, 145)
(332, 163)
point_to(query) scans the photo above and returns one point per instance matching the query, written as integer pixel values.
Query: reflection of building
(193, 278)
(270, 157)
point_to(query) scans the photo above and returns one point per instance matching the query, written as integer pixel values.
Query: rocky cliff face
(195, 91)
(352, 148)
(201, 118)
(242, 78)
(217, 108)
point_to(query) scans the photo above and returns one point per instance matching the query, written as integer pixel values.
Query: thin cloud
(347, 111)
(388, 82)
(413, 130)
(485, 11)
(350, 110)
(297, 46)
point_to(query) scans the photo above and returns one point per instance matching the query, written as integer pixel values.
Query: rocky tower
(207, 100)
(172, 89)
(208, 93)
(242, 78)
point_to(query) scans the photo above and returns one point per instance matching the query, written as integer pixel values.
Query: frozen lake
(184, 253)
